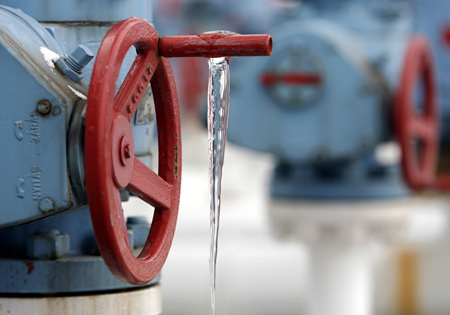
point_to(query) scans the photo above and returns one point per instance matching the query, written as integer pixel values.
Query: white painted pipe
(340, 279)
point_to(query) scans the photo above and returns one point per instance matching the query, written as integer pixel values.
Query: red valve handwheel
(411, 126)
(109, 150)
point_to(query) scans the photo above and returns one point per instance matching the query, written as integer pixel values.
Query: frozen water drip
(218, 104)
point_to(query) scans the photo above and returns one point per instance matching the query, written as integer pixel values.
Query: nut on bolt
(72, 65)
(48, 244)
(44, 107)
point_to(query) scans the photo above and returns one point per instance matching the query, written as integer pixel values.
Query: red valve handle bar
(270, 79)
(215, 45)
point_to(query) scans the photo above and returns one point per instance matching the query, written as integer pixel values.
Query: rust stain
(175, 169)
(407, 287)
(30, 266)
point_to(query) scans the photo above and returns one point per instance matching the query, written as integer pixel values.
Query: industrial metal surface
(80, 11)
(143, 302)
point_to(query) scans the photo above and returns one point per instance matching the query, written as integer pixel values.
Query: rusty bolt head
(44, 107)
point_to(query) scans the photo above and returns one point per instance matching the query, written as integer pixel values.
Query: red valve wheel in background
(417, 133)
(109, 150)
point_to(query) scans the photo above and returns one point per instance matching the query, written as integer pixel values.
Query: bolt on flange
(48, 244)
(46, 205)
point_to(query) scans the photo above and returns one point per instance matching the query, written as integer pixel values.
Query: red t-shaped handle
(214, 45)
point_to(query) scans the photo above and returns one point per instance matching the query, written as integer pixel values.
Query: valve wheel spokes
(417, 132)
(109, 150)
(142, 183)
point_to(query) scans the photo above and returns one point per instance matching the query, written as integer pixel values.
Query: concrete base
(146, 301)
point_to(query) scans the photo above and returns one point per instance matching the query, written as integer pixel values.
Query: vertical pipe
(341, 276)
